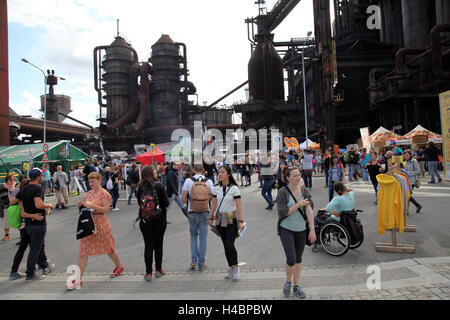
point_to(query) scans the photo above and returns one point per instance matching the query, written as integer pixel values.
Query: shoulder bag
(308, 243)
(215, 226)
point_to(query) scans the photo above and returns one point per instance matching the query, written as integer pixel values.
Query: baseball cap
(34, 173)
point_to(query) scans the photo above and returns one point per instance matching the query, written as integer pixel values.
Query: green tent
(18, 156)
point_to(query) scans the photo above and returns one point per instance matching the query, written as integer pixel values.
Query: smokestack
(4, 86)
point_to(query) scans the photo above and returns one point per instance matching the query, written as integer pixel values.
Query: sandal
(117, 271)
(6, 238)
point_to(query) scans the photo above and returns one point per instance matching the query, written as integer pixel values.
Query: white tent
(304, 145)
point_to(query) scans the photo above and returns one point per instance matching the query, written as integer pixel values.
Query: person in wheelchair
(344, 201)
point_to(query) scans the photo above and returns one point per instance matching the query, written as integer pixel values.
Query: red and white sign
(45, 157)
(45, 148)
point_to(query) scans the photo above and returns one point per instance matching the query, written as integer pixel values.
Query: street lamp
(45, 93)
(45, 96)
(304, 87)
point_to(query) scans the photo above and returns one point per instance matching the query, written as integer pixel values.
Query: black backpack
(353, 226)
(149, 203)
(86, 225)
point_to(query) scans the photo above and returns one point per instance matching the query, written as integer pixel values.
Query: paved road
(261, 248)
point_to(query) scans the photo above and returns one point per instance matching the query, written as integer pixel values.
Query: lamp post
(304, 88)
(45, 97)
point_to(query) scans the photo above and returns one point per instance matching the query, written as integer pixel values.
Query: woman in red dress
(102, 241)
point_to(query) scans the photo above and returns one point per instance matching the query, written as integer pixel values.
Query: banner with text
(445, 123)
(365, 134)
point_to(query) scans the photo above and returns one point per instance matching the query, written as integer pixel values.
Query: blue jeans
(180, 187)
(267, 191)
(351, 171)
(132, 191)
(198, 227)
(432, 168)
(237, 174)
(177, 200)
(212, 179)
(365, 174)
(36, 235)
(80, 181)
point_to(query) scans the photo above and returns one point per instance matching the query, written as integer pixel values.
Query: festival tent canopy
(314, 146)
(382, 134)
(419, 130)
(15, 156)
(146, 158)
(303, 145)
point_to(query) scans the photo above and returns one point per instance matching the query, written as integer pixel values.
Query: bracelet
(241, 221)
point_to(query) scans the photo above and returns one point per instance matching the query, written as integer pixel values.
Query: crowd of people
(207, 194)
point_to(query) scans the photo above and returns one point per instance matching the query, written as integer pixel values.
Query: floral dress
(102, 241)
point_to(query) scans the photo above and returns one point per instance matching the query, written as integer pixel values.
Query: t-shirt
(232, 193)
(308, 162)
(189, 183)
(27, 195)
(295, 222)
(342, 203)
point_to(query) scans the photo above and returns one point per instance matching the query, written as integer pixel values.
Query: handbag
(215, 227)
(14, 218)
(307, 242)
(86, 225)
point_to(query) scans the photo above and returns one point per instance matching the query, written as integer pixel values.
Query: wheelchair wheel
(334, 239)
(359, 243)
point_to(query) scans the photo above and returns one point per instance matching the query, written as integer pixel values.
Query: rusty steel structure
(4, 84)
(143, 102)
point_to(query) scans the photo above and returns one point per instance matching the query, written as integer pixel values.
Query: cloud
(214, 31)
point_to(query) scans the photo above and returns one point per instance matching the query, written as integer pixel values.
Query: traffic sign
(45, 148)
(45, 157)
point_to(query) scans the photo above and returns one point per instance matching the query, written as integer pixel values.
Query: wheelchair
(336, 238)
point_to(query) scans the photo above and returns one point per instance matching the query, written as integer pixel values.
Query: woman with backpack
(294, 208)
(114, 176)
(229, 217)
(153, 202)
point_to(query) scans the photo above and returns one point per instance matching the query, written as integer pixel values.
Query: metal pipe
(143, 92)
(400, 56)
(133, 94)
(435, 36)
(97, 79)
(223, 97)
(76, 120)
(304, 90)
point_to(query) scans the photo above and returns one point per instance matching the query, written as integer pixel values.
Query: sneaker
(148, 277)
(298, 292)
(117, 271)
(236, 274)
(229, 274)
(193, 266)
(159, 274)
(35, 277)
(64, 207)
(115, 209)
(440, 180)
(203, 268)
(270, 207)
(48, 269)
(16, 275)
(57, 207)
(419, 208)
(287, 289)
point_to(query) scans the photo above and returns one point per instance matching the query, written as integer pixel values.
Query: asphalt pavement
(260, 250)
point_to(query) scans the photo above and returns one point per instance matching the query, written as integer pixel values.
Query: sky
(62, 34)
